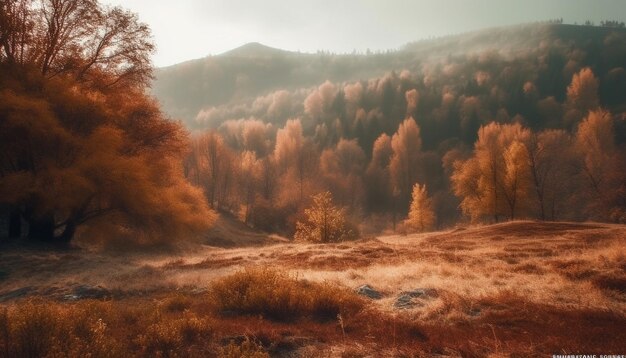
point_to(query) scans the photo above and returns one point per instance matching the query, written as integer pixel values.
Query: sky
(189, 29)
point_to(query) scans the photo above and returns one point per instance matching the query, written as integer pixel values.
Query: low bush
(35, 329)
(280, 297)
(92, 328)
(175, 337)
(247, 349)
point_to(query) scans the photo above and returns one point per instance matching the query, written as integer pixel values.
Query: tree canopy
(81, 142)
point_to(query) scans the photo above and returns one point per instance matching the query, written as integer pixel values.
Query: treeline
(81, 144)
(607, 23)
(370, 141)
(514, 172)
(517, 167)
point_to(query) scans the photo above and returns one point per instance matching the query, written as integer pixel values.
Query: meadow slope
(529, 288)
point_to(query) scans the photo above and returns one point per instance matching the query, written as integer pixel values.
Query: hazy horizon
(196, 28)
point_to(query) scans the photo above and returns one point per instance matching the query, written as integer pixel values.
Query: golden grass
(516, 289)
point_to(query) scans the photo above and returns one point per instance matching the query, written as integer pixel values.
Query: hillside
(229, 231)
(232, 81)
(367, 128)
(508, 288)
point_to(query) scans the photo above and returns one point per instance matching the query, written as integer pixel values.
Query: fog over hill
(233, 80)
(386, 121)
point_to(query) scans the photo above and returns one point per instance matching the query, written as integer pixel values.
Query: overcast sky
(188, 29)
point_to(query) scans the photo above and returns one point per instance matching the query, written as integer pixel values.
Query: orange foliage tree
(404, 166)
(80, 140)
(603, 167)
(496, 180)
(421, 215)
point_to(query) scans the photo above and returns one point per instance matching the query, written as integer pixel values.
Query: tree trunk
(15, 224)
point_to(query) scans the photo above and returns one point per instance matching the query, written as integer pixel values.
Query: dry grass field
(520, 289)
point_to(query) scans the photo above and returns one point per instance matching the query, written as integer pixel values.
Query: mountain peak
(254, 49)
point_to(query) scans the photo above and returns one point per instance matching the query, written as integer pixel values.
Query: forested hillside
(244, 81)
(519, 122)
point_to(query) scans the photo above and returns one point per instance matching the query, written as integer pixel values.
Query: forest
(461, 196)
(487, 135)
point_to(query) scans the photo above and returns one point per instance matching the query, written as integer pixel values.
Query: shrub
(280, 297)
(324, 222)
(36, 329)
(247, 349)
(177, 303)
(170, 337)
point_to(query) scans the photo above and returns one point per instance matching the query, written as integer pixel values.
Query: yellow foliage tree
(495, 181)
(517, 182)
(404, 166)
(324, 222)
(603, 167)
(421, 214)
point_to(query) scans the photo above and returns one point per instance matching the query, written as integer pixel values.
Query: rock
(369, 292)
(86, 292)
(405, 299)
(199, 290)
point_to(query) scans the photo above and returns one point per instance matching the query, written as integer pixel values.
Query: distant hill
(252, 70)
(254, 50)
(227, 85)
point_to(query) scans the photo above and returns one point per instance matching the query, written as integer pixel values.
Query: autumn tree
(378, 177)
(82, 145)
(342, 168)
(412, 100)
(60, 177)
(249, 180)
(467, 185)
(103, 47)
(212, 162)
(495, 181)
(421, 215)
(488, 152)
(320, 100)
(552, 167)
(516, 182)
(296, 160)
(324, 222)
(582, 96)
(255, 137)
(582, 92)
(404, 166)
(601, 168)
